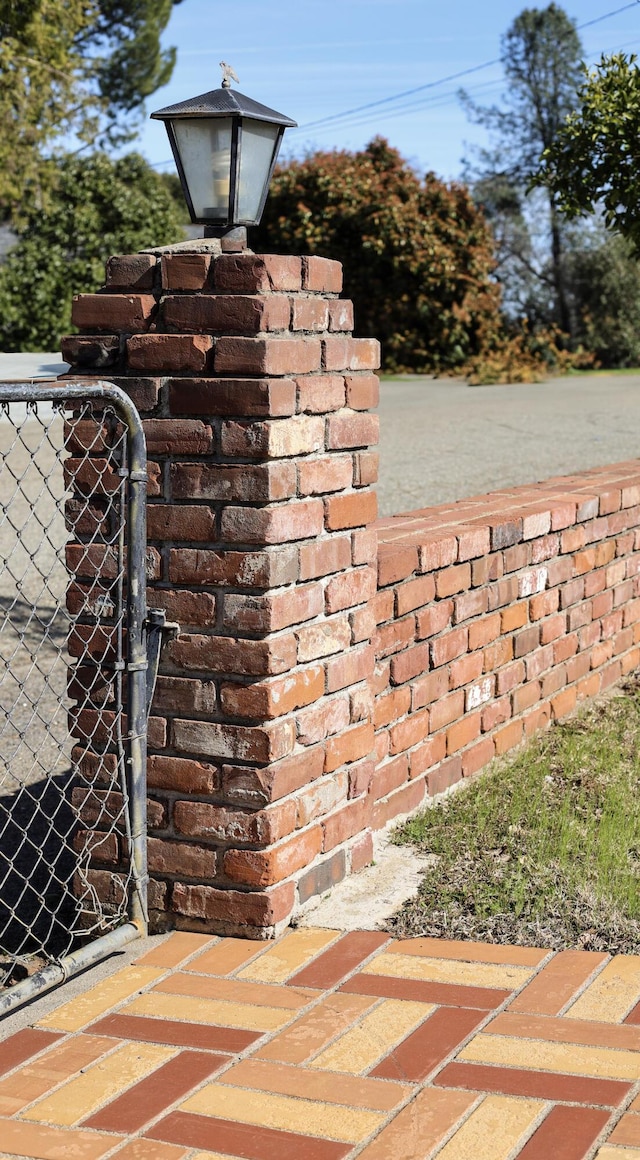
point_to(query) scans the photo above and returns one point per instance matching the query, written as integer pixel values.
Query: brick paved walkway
(326, 1045)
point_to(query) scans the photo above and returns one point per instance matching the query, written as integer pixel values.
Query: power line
(442, 80)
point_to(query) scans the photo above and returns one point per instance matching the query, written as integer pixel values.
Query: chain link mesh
(64, 812)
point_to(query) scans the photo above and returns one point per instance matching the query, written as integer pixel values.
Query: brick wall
(254, 398)
(497, 615)
(269, 764)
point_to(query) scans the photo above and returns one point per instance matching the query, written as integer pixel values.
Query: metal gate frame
(136, 666)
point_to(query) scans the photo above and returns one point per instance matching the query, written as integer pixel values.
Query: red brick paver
(327, 1046)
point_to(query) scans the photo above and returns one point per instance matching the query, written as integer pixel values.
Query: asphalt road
(441, 439)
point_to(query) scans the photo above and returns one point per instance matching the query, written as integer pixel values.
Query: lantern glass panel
(259, 140)
(205, 151)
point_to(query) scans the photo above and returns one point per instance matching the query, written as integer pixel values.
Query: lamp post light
(225, 147)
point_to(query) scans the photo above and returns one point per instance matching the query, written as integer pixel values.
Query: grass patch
(544, 849)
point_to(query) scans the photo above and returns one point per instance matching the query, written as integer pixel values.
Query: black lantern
(225, 147)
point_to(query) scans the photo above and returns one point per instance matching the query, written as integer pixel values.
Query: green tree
(100, 207)
(604, 276)
(541, 55)
(417, 253)
(72, 70)
(594, 160)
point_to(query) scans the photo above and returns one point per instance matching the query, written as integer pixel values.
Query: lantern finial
(228, 75)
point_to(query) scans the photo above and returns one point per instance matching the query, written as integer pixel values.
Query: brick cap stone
(193, 246)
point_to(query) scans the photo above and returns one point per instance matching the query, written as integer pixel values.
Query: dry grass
(544, 849)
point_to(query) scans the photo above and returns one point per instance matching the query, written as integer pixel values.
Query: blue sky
(313, 59)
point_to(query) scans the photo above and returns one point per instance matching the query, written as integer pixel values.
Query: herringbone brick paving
(324, 1046)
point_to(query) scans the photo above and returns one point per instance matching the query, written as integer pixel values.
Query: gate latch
(158, 629)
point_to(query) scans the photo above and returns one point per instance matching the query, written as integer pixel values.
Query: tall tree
(541, 56)
(593, 163)
(72, 70)
(417, 253)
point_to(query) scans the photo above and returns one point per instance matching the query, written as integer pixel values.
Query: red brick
(226, 313)
(169, 352)
(351, 510)
(396, 563)
(466, 669)
(539, 718)
(496, 714)
(470, 604)
(526, 641)
(365, 468)
(504, 592)
(179, 695)
(508, 737)
(553, 628)
(544, 604)
(91, 350)
(247, 483)
(320, 393)
(364, 546)
(341, 315)
(363, 391)
(526, 696)
(348, 820)
(239, 657)
(322, 275)
(177, 437)
(352, 744)
(131, 272)
(113, 312)
(244, 742)
(259, 398)
(577, 667)
(543, 659)
(323, 639)
(257, 787)
(429, 688)
(180, 858)
(224, 823)
(453, 580)
(402, 801)
(273, 611)
(430, 621)
(322, 877)
(182, 775)
(514, 617)
(446, 710)
(320, 798)
(554, 680)
(186, 272)
(482, 632)
(310, 314)
(362, 853)
(584, 561)
(349, 669)
(392, 706)
(486, 569)
(410, 663)
(323, 556)
(409, 732)
(274, 698)
(257, 273)
(267, 569)
(446, 648)
(414, 593)
(349, 589)
(351, 429)
(267, 356)
(563, 703)
(233, 909)
(180, 522)
(472, 542)
(437, 552)
(463, 733)
(389, 775)
(448, 773)
(478, 756)
(427, 755)
(328, 717)
(276, 524)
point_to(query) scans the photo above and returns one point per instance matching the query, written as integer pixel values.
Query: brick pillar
(261, 516)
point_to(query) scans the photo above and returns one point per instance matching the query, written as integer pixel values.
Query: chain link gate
(73, 681)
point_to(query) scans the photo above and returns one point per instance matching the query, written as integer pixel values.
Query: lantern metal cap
(223, 102)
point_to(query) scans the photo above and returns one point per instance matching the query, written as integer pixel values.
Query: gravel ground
(442, 440)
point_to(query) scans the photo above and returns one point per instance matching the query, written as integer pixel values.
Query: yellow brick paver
(288, 956)
(211, 1011)
(308, 1117)
(359, 1048)
(101, 998)
(612, 994)
(208, 1049)
(494, 1129)
(544, 1056)
(447, 971)
(75, 1100)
